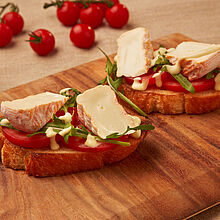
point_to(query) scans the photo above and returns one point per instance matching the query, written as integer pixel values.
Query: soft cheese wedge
(33, 112)
(100, 111)
(196, 59)
(135, 53)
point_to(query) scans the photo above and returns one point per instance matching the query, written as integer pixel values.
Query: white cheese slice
(192, 50)
(100, 111)
(33, 112)
(135, 53)
(195, 59)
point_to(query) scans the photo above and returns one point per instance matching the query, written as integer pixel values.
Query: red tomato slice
(77, 143)
(75, 119)
(21, 139)
(144, 77)
(148, 76)
(202, 84)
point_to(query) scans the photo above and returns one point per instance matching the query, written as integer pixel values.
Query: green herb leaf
(85, 130)
(184, 82)
(143, 127)
(211, 75)
(122, 143)
(71, 102)
(124, 98)
(114, 84)
(103, 81)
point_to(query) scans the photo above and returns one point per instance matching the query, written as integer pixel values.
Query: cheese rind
(100, 111)
(190, 49)
(33, 112)
(195, 59)
(135, 53)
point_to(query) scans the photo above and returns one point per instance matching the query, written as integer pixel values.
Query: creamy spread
(66, 90)
(91, 141)
(137, 85)
(136, 134)
(66, 118)
(65, 131)
(53, 144)
(158, 81)
(50, 133)
(174, 69)
(5, 121)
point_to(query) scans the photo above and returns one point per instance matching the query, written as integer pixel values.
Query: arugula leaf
(211, 75)
(85, 130)
(56, 123)
(103, 81)
(143, 127)
(71, 102)
(184, 82)
(116, 82)
(124, 98)
(122, 143)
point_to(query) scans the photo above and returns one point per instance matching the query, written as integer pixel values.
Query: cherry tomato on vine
(5, 35)
(68, 13)
(117, 16)
(42, 41)
(104, 7)
(14, 21)
(93, 16)
(82, 35)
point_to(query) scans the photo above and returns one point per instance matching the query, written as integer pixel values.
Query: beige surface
(199, 19)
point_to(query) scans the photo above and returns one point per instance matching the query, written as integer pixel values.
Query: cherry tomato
(5, 35)
(93, 16)
(117, 16)
(21, 139)
(14, 21)
(82, 35)
(42, 41)
(68, 14)
(202, 84)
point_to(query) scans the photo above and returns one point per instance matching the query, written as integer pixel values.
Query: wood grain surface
(174, 173)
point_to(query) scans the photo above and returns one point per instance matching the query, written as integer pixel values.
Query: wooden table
(199, 19)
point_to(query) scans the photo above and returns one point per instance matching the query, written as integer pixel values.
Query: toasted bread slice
(169, 102)
(45, 162)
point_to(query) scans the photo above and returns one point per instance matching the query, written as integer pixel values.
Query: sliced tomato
(202, 84)
(21, 139)
(144, 77)
(75, 119)
(148, 76)
(77, 143)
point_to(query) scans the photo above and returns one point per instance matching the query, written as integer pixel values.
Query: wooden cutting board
(173, 174)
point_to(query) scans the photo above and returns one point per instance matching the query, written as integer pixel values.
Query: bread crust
(169, 102)
(45, 162)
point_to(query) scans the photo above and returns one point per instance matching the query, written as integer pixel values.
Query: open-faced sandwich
(177, 80)
(55, 134)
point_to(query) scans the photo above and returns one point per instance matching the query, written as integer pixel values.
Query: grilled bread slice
(169, 102)
(45, 162)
